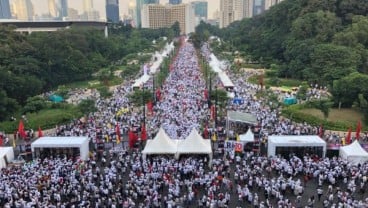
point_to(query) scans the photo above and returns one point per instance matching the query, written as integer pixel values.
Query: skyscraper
(174, 1)
(23, 9)
(138, 7)
(112, 10)
(230, 11)
(87, 5)
(200, 9)
(63, 8)
(248, 8)
(258, 7)
(52, 8)
(5, 9)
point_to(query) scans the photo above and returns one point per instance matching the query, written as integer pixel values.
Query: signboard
(233, 146)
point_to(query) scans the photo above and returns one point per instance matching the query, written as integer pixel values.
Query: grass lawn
(345, 114)
(46, 119)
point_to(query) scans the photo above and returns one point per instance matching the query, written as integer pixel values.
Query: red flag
(348, 137)
(158, 94)
(358, 129)
(1, 140)
(205, 94)
(320, 131)
(40, 134)
(21, 131)
(205, 132)
(150, 107)
(143, 133)
(213, 111)
(118, 134)
(132, 138)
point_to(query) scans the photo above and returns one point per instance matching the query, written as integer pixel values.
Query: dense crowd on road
(122, 177)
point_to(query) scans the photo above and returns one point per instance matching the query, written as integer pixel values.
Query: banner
(233, 146)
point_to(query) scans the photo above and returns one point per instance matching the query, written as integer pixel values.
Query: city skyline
(41, 7)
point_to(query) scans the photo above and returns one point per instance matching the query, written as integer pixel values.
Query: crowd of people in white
(123, 178)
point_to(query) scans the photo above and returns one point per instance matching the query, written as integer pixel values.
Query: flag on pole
(348, 137)
(40, 134)
(320, 131)
(213, 109)
(118, 134)
(150, 107)
(358, 129)
(131, 138)
(21, 130)
(143, 133)
(1, 140)
(205, 132)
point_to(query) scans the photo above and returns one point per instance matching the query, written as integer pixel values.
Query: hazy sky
(41, 6)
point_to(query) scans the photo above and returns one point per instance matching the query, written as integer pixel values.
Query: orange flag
(348, 137)
(21, 130)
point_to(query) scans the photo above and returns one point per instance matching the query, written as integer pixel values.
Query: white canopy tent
(195, 144)
(82, 143)
(226, 82)
(247, 137)
(354, 153)
(6, 156)
(288, 142)
(161, 144)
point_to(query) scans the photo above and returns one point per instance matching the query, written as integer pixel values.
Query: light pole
(144, 107)
(153, 89)
(216, 98)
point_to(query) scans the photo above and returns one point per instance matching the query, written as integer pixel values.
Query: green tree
(34, 104)
(104, 75)
(176, 29)
(323, 105)
(87, 106)
(140, 97)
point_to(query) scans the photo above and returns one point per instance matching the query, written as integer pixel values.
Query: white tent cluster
(158, 57)
(163, 144)
(354, 153)
(218, 66)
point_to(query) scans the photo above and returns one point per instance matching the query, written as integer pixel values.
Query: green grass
(347, 115)
(285, 83)
(46, 119)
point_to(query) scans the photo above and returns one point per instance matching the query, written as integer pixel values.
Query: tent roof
(161, 144)
(4, 150)
(194, 143)
(56, 98)
(226, 82)
(143, 79)
(55, 142)
(295, 139)
(247, 137)
(242, 117)
(354, 149)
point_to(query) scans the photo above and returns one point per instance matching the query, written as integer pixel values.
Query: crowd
(121, 177)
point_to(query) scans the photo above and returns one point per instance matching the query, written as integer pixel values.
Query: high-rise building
(53, 11)
(174, 1)
(230, 11)
(248, 8)
(159, 16)
(200, 9)
(63, 8)
(23, 9)
(5, 9)
(88, 11)
(73, 14)
(112, 10)
(138, 6)
(258, 7)
(87, 5)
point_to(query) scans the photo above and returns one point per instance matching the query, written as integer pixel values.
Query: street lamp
(153, 89)
(216, 98)
(144, 107)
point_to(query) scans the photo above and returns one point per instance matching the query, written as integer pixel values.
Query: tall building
(112, 10)
(53, 11)
(23, 9)
(138, 6)
(63, 9)
(270, 3)
(87, 5)
(174, 1)
(73, 14)
(5, 9)
(200, 9)
(88, 12)
(160, 16)
(248, 8)
(230, 11)
(258, 7)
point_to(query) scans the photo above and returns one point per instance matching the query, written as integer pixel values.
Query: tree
(34, 104)
(176, 28)
(323, 105)
(140, 97)
(87, 106)
(104, 75)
